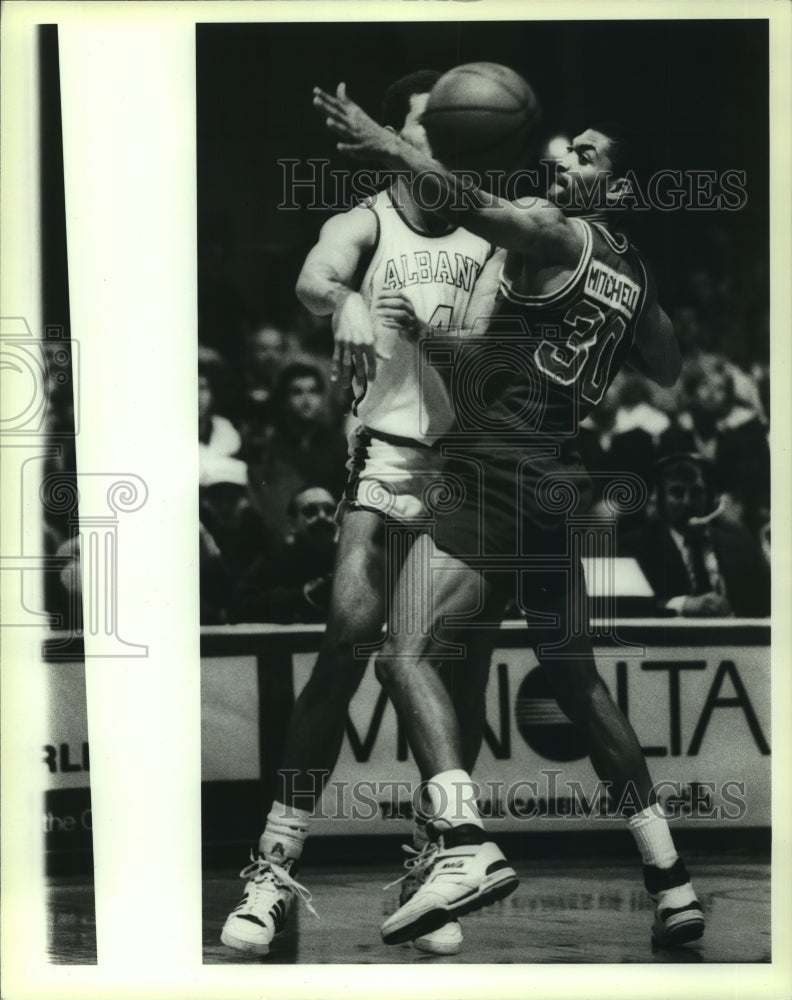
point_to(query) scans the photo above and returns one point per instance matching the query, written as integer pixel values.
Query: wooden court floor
(577, 912)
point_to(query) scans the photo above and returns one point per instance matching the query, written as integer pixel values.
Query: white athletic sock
(453, 797)
(284, 835)
(653, 837)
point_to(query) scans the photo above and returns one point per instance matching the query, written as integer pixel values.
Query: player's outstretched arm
(536, 228)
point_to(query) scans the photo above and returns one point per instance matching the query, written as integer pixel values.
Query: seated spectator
(264, 353)
(234, 528)
(632, 453)
(216, 434)
(697, 562)
(214, 580)
(636, 410)
(764, 537)
(697, 347)
(730, 436)
(300, 448)
(292, 583)
(626, 433)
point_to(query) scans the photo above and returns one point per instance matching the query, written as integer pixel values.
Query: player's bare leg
(418, 647)
(614, 750)
(356, 613)
(617, 759)
(462, 869)
(315, 733)
(461, 684)
(467, 685)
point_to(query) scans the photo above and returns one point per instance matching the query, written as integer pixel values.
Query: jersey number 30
(583, 352)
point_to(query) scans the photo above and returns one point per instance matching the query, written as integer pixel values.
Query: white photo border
(128, 91)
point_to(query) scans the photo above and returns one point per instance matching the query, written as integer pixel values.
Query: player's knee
(388, 668)
(347, 639)
(383, 669)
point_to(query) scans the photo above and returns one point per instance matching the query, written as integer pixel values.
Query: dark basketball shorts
(511, 519)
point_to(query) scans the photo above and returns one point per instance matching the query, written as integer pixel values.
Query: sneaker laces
(264, 874)
(418, 864)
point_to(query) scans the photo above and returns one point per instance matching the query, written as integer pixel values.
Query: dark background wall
(695, 92)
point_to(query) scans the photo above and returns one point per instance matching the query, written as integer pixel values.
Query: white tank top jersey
(437, 274)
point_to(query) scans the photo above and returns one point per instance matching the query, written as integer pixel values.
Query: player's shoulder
(358, 224)
(613, 247)
(610, 237)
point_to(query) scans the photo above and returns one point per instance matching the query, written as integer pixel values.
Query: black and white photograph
(457, 637)
(400, 375)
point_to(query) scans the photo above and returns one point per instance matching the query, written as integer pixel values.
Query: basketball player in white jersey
(374, 269)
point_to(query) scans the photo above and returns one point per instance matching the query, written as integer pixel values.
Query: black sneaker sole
(691, 930)
(434, 919)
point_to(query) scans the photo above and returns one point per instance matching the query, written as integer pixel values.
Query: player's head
(592, 174)
(404, 103)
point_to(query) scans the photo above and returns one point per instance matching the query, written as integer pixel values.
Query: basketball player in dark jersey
(575, 303)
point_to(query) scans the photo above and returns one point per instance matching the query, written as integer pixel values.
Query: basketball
(482, 116)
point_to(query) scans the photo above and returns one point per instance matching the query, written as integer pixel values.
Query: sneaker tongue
(279, 858)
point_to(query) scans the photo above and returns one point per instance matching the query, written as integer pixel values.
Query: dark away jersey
(546, 360)
(520, 390)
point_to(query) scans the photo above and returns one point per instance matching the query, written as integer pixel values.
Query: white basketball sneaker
(446, 940)
(458, 874)
(262, 911)
(679, 918)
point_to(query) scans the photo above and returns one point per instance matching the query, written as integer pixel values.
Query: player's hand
(353, 330)
(395, 311)
(360, 135)
(709, 605)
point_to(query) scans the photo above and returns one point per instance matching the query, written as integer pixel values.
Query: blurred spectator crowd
(273, 446)
(272, 457)
(272, 434)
